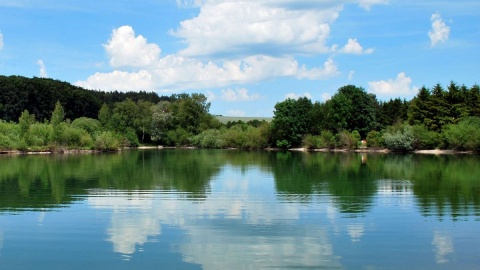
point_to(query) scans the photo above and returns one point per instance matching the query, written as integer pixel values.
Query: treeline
(39, 95)
(434, 118)
(122, 124)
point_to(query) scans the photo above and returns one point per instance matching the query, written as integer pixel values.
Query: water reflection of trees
(447, 185)
(298, 176)
(42, 182)
(442, 185)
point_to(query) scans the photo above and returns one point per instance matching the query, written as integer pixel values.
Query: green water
(205, 209)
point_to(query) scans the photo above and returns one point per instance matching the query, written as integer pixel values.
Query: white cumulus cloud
(353, 47)
(119, 80)
(392, 88)
(127, 50)
(229, 42)
(238, 95)
(329, 69)
(265, 26)
(440, 32)
(153, 72)
(273, 27)
(43, 70)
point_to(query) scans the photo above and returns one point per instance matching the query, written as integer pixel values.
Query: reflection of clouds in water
(274, 247)
(395, 193)
(129, 230)
(41, 217)
(1, 240)
(443, 246)
(355, 231)
(132, 220)
(239, 223)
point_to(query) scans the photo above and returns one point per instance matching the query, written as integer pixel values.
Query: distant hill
(39, 95)
(226, 119)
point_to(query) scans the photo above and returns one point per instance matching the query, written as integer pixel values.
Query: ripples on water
(236, 210)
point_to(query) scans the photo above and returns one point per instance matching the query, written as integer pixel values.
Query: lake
(226, 209)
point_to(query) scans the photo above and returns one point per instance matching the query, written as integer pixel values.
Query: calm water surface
(199, 209)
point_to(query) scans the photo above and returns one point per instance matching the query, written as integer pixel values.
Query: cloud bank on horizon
(248, 55)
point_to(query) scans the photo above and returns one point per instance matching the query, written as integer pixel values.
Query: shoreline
(382, 151)
(160, 147)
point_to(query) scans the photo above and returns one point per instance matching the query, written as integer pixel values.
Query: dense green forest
(45, 114)
(39, 95)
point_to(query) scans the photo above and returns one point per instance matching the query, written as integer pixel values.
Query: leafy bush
(356, 135)
(401, 139)
(235, 136)
(311, 141)
(107, 141)
(465, 135)
(375, 139)
(178, 137)
(244, 136)
(211, 138)
(425, 139)
(255, 138)
(39, 134)
(346, 140)
(90, 125)
(76, 137)
(9, 135)
(264, 133)
(130, 138)
(71, 136)
(21, 145)
(327, 139)
(6, 143)
(86, 141)
(283, 144)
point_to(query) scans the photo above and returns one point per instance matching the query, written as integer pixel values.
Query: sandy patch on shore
(437, 152)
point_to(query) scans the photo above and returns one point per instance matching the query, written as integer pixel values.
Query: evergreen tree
(473, 101)
(392, 112)
(455, 98)
(439, 110)
(56, 120)
(419, 108)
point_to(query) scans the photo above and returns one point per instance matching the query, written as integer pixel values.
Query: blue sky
(244, 55)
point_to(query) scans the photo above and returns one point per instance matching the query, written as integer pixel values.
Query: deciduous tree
(291, 120)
